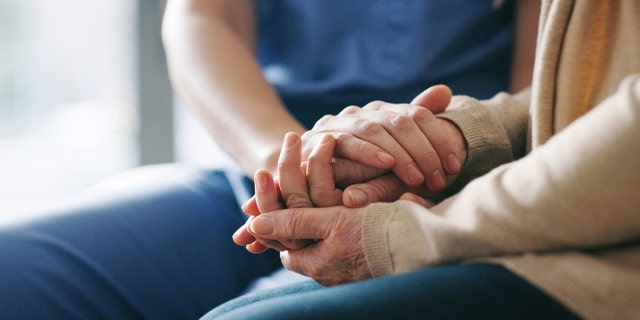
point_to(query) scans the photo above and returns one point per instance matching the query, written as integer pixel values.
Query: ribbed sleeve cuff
(375, 238)
(488, 145)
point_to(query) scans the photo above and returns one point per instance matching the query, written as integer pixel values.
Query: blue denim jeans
(155, 244)
(470, 291)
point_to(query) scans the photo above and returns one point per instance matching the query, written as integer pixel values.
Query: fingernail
(262, 225)
(235, 234)
(415, 177)
(437, 180)
(357, 197)
(244, 227)
(385, 158)
(453, 164)
(290, 139)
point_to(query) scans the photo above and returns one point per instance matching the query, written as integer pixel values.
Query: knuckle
(342, 137)
(441, 141)
(287, 263)
(429, 157)
(326, 197)
(350, 110)
(314, 160)
(373, 105)
(419, 114)
(401, 122)
(369, 128)
(290, 227)
(285, 164)
(293, 244)
(306, 136)
(317, 195)
(323, 121)
(316, 269)
(361, 147)
(297, 200)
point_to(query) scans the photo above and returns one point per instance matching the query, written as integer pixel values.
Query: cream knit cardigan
(557, 198)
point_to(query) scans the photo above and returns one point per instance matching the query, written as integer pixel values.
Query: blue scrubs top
(323, 55)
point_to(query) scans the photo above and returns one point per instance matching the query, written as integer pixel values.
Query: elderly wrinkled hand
(290, 190)
(334, 253)
(322, 243)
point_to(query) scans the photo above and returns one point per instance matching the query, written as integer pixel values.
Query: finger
(401, 122)
(293, 183)
(417, 199)
(351, 147)
(347, 172)
(355, 134)
(253, 244)
(302, 261)
(435, 98)
(277, 244)
(243, 237)
(383, 189)
(296, 223)
(266, 197)
(282, 245)
(373, 126)
(251, 207)
(445, 141)
(256, 247)
(434, 143)
(266, 200)
(319, 170)
(449, 143)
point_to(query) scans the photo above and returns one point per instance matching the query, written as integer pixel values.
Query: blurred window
(67, 97)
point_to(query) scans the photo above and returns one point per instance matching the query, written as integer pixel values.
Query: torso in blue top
(323, 55)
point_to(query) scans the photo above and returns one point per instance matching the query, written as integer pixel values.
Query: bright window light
(67, 98)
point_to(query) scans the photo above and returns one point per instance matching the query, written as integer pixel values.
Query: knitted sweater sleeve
(495, 131)
(577, 191)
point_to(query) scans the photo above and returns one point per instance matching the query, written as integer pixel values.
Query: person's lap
(158, 245)
(152, 247)
(471, 291)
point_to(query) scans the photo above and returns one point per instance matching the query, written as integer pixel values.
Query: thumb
(293, 224)
(435, 98)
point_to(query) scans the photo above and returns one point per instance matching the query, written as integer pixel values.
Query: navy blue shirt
(323, 55)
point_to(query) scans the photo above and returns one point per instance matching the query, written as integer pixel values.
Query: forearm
(210, 52)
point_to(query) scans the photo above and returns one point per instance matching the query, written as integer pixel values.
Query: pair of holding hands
(312, 212)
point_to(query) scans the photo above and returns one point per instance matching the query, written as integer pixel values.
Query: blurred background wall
(84, 94)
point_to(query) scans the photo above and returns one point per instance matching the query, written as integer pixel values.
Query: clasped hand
(325, 243)
(424, 153)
